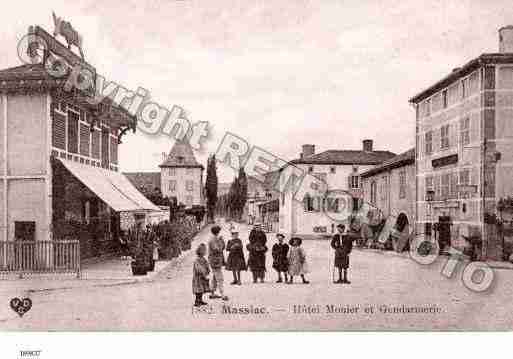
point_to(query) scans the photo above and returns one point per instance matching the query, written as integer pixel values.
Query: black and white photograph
(251, 166)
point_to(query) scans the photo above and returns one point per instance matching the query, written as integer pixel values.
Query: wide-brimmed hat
(280, 235)
(294, 240)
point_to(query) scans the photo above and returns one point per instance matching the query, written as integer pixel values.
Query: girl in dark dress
(257, 249)
(280, 261)
(235, 262)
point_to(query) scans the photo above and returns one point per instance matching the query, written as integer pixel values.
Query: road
(378, 281)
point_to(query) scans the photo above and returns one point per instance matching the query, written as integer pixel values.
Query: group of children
(289, 261)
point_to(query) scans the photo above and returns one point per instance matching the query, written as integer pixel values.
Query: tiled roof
(181, 155)
(346, 157)
(403, 159)
(146, 180)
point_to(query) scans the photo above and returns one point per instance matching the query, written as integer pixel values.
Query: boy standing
(342, 243)
(216, 247)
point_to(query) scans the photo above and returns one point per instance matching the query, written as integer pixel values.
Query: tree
(211, 187)
(242, 192)
(233, 198)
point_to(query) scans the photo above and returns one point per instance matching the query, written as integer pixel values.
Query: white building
(182, 176)
(310, 216)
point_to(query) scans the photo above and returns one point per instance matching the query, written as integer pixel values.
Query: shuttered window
(73, 132)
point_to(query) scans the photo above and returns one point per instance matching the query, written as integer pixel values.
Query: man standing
(342, 243)
(257, 248)
(216, 247)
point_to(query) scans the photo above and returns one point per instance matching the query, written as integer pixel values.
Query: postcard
(256, 166)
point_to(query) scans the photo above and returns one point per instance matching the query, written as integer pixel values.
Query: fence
(23, 257)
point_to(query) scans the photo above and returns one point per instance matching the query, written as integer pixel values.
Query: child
(200, 274)
(236, 262)
(280, 261)
(297, 260)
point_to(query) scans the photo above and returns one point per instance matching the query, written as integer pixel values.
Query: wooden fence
(54, 256)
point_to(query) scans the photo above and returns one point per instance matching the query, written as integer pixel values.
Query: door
(444, 232)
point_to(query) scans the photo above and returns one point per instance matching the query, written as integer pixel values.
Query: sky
(276, 73)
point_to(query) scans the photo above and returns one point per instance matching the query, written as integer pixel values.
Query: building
(181, 176)
(313, 215)
(59, 160)
(390, 187)
(464, 163)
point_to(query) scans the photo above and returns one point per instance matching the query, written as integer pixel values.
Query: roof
(35, 78)
(181, 155)
(346, 157)
(404, 159)
(147, 180)
(484, 59)
(111, 187)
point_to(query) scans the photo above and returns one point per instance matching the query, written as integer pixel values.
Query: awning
(111, 187)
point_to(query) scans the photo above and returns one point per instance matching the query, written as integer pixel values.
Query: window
(171, 171)
(73, 119)
(354, 181)
(172, 186)
(384, 188)
(428, 107)
(310, 169)
(429, 186)
(429, 142)
(464, 88)
(444, 99)
(189, 185)
(188, 200)
(464, 176)
(373, 192)
(180, 159)
(189, 171)
(333, 169)
(25, 230)
(454, 185)
(465, 131)
(445, 186)
(402, 184)
(308, 203)
(444, 137)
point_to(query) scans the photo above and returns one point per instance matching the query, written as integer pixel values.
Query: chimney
(506, 39)
(367, 145)
(164, 156)
(308, 150)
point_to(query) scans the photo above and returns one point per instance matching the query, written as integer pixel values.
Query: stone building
(312, 215)
(390, 187)
(464, 162)
(181, 175)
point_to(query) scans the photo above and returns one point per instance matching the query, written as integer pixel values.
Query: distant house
(180, 176)
(311, 216)
(390, 187)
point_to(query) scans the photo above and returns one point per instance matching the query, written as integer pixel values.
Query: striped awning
(111, 187)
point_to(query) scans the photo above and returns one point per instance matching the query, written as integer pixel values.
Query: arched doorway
(402, 227)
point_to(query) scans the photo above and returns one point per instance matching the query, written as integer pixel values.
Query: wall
(463, 98)
(292, 215)
(393, 205)
(181, 176)
(25, 192)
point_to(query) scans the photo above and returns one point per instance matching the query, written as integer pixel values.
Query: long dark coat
(257, 248)
(280, 261)
(235, 259)
(342, 244)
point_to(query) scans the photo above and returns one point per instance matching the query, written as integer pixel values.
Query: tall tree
(233, 198)
(211, 187)
(242, 192)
